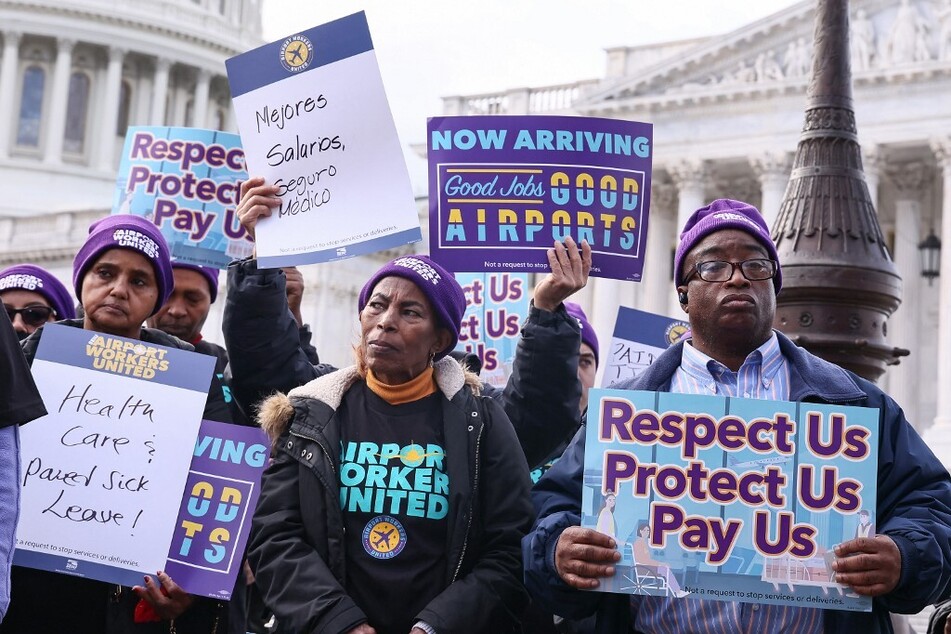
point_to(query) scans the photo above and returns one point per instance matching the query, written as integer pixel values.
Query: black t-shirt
(394, 493)
(20, 401)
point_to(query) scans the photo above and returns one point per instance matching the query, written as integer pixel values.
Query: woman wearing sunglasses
(32, 296)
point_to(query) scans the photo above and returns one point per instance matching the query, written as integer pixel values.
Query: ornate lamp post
(839, 282)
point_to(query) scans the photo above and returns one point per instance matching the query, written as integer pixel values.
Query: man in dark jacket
(727, 277)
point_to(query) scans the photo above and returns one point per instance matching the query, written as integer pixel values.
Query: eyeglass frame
(13, 312)
(733, 267)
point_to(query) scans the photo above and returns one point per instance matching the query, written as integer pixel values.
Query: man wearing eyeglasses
(32, 296)
(727, 276)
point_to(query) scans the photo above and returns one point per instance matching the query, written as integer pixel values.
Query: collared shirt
(764, 374)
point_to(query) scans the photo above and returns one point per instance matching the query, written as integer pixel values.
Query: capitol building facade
(727, 111)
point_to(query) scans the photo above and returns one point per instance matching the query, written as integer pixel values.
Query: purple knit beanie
(721, 214)
(29, 277)
(210, 274)
(125, 231)
(438, 284)
(588, 335)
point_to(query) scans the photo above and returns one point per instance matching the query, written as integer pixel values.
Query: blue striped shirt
(764, 374)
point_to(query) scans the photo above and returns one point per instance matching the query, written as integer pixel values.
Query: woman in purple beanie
(32, 296)
(398, 496)
(122, 275)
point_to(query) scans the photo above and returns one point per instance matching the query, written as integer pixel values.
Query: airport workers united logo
(296, 53)
(384, 537)
(675, 331)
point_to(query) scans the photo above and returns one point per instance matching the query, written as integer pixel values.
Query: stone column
(110, 109)
(690, 176)
(772, 170)
(903, 324)
(231, 121)
(872, 162)
(200, 109)
(658, 288)
(56, 122)
(179, 107)
(938, 436)
(8, 75)
(159, 92)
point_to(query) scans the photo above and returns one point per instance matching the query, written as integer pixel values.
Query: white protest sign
(639, 338)
(102, 475)
(314, 120)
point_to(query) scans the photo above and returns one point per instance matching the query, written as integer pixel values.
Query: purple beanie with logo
(721, 214)
(210, 274)
(29, 277)
(125, 231)
(588, 335)
(438, 284)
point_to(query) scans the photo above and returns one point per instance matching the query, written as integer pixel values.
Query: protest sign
(503, 189)
(496, 306)
(102, 475)
(730, 499)
(639, 338)
(315, 122)
(215, 516)
(187, 181)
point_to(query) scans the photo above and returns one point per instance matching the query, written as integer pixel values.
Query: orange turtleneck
(413, 390)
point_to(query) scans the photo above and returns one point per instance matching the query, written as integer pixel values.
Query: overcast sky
(429, 49)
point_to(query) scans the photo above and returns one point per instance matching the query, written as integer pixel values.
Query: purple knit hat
(721, 214)
(210, 274)
(29, 277)
(438, 284)
(125, 231)
(588, 335)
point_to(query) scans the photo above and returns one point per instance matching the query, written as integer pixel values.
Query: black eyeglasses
(32, 315)
(721, 271)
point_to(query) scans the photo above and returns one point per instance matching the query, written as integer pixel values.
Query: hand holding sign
(570, 267)
(871, 566)
(583, 555)
(257, 201)
(167, 599)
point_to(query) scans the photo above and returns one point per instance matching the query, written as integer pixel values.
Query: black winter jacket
(296, 547)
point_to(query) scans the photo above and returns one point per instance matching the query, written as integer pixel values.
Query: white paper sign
(314, 120)
(102, 475)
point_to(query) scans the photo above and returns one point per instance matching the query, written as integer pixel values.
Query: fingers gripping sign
(165, 596)
(257, 201)
(570, 266)
(583, 555)
(871, 566)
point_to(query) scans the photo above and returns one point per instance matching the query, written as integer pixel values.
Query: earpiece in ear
(682, 297)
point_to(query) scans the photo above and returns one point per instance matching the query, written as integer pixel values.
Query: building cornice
(97, 15)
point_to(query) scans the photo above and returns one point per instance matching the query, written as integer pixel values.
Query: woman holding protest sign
(122, 275)
(393, 474)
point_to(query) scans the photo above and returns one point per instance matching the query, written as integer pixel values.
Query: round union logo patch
(384, 537)
(296, 53)
(675, 331)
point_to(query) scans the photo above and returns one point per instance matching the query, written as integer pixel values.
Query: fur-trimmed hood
(276, 412)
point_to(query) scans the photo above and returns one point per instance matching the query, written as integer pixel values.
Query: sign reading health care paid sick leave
(639, 338)
(187, 181)
(102, 475)
(315, 122)
(503, 189)
(730, 499)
